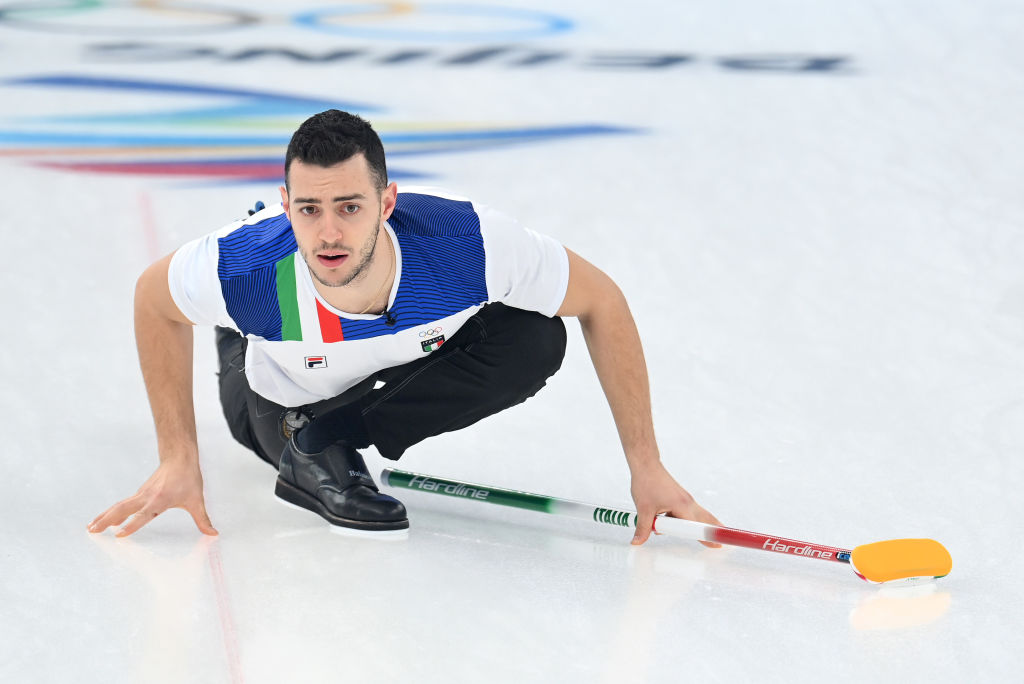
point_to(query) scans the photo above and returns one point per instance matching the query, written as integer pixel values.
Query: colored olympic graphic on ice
(371, 20)
(227, 134)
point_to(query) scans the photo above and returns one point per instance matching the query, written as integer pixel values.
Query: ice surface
(826, 268)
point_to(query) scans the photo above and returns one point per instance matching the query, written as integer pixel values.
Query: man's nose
(330, 229)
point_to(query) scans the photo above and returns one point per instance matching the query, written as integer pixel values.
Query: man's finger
(202, 520)
(116, 514)
(98, 524)
(107, 514)
(141, 518)
(705, 517)
(644, 522)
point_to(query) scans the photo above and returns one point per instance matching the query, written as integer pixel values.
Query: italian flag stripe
(330, 324)
(307, 311)
(287, 300)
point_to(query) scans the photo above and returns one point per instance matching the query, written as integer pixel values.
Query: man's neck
(371, 292)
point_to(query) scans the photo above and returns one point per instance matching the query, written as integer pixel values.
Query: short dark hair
(331, 137)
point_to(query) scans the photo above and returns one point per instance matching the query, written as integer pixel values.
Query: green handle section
(465, 490)
(612, 516)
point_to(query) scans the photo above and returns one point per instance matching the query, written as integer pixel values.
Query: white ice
(826, 269)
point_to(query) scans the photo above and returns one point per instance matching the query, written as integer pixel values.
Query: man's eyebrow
(342, 198)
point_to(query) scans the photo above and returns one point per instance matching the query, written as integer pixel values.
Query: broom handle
(675, 527)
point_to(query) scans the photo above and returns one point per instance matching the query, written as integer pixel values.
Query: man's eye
(350, 208)
(308, 210)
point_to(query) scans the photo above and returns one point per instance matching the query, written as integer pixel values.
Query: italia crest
(431, 340)
(432, 344)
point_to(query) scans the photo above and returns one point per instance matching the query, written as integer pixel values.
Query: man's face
(336, 213)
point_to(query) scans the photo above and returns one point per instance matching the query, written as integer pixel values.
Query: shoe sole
(291, 494)
(351, 533)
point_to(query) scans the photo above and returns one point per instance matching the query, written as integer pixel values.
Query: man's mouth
(331, 260)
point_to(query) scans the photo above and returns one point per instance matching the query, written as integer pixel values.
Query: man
(376, 317)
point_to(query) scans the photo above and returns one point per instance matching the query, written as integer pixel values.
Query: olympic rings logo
(432, 332)
(124, 18)
(370, 20)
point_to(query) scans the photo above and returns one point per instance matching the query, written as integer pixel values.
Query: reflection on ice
(901, 607)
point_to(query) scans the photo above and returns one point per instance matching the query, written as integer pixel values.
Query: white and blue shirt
(452, 258)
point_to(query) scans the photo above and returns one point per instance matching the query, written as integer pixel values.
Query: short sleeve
(524, 269)
(194, 284)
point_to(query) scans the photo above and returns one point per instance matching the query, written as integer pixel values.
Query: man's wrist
(643, 460)
(179, 456)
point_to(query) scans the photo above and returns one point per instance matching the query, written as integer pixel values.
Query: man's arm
(163, 336)
(615, 348)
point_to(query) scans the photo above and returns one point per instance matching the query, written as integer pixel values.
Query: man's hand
(175, 484)
(654, 492)
(618, 357)
(163, 335)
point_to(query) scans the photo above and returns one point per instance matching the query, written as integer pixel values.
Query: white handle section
(684, 529)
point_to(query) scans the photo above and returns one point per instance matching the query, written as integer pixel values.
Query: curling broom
(884, 561)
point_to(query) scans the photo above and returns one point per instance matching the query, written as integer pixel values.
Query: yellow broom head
(900, 559)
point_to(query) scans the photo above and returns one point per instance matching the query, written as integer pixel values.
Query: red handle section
(755, 540)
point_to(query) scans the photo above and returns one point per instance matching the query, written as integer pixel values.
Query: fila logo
(316, 362)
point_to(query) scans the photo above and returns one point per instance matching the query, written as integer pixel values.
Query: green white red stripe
(303, 317)
(287, 300)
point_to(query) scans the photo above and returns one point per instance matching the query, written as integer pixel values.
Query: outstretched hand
(655, 492)
(175, 484)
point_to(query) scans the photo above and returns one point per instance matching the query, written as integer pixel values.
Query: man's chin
(328, 278)
(331, 280)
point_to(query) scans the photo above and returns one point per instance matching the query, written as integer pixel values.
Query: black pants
(501, 357)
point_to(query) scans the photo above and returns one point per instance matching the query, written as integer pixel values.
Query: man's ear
(387, 201)
(284, 201)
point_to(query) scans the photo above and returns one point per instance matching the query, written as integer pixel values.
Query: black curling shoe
(334, 484)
